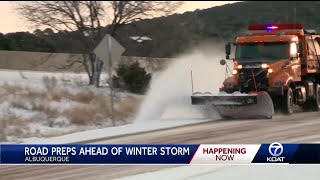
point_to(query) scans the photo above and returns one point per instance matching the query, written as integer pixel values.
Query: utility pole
(111, 80)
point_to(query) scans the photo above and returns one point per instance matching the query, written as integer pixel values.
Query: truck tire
(288, 100)
(317, 98)
(314, 103)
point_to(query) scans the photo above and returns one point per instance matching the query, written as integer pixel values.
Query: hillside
(176, 33)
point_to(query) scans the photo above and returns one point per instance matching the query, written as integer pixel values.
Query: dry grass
(83, 96)
(81, 115)
(87, 96)
(3, 125)
(127, 108)
(45, 108)
(96, 110)
(11, 89)
(26, 91)
(91, 104)
(59, 94)
(12, 125)
(18, 103)
(34, 93)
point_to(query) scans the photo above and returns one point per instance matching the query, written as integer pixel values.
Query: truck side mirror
(222, 62)
(293, 51)
(228, 50)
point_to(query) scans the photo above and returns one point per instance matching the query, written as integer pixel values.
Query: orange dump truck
(276, 66)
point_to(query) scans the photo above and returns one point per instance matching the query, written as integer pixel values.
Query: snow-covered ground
(34, 107)
(36, 76)
(35, 111)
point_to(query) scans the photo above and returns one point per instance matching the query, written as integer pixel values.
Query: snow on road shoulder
(114, 131)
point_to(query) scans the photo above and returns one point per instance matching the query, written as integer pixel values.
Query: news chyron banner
(159, 153)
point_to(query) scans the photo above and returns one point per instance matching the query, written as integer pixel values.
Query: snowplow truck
(275, 67)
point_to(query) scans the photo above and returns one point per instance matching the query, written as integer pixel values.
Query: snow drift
(170, 90)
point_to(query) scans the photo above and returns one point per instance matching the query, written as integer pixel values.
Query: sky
(12, 22)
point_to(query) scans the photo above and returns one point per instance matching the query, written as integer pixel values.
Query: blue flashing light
(272, 27)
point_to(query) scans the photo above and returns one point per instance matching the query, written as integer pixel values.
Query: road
(300, 127)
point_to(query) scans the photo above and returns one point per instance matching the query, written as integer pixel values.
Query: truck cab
(281, 59)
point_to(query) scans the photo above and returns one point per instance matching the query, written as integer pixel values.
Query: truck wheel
(288, 102)
(317, 98)
(278, 104)
(314, 103)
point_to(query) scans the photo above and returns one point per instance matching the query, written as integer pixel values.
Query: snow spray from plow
(169, 94)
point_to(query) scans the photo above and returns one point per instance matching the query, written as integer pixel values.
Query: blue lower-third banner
(160, 153)
(97, 154)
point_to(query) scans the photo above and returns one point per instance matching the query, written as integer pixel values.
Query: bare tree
(87, 19)
(126, 12)
(81, 17)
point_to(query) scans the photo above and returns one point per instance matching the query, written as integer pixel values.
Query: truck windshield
(265, 51)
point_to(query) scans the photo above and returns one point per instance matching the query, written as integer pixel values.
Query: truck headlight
(234, 71)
